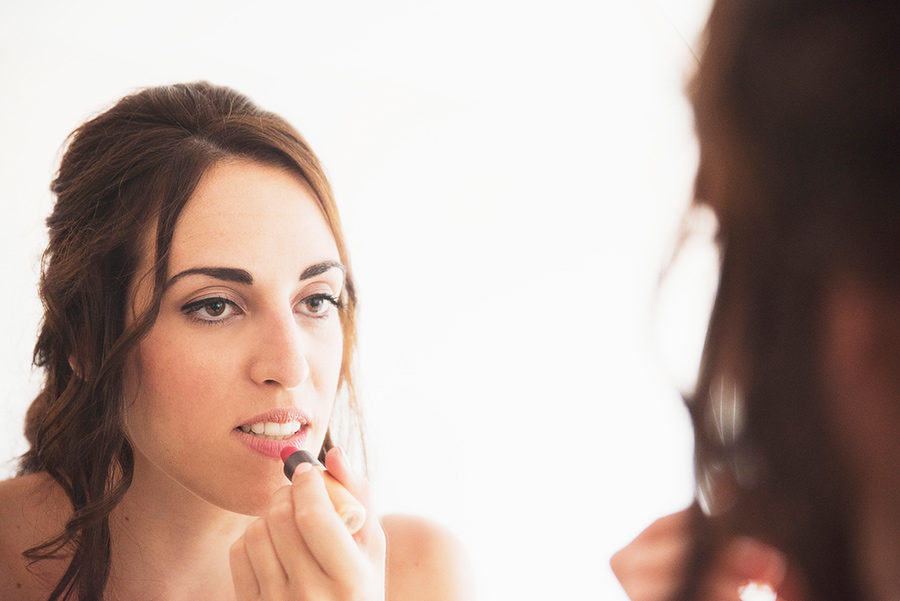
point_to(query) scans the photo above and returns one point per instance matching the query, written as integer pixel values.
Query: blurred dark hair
(128, 171)
(797, 110)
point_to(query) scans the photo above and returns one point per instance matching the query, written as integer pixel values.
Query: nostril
(279, 363)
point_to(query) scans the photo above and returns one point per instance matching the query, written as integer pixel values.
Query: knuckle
(615, 563)
(349, 590)
(305, 515)
(281, 495)
(622, 564)
(364, 582)
(362, 490)
(238, 549)
(257, 532)
(281, 513)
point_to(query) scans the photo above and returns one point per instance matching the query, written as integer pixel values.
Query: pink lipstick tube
(352, 512)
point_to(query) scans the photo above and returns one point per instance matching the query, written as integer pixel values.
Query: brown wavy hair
(130, 170)
(797, 113)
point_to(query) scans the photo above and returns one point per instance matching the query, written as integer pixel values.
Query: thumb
(749, 560)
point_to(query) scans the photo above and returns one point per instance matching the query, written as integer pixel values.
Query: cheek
(325, 363)
(175, 390)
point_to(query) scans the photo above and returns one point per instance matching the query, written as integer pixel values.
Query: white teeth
(273, 430)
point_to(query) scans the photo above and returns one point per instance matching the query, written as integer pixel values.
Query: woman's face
(245, 355)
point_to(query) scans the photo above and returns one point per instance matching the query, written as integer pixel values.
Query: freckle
(18, 585)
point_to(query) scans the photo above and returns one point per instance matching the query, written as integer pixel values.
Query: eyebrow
(229, 274)
(320, 268)
(242, 276)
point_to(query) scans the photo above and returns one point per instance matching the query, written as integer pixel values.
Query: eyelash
(335, 302)
(191, 308)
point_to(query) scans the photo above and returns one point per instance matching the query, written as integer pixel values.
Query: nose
(279, 356)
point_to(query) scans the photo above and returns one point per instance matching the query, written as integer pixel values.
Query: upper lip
(278, 415)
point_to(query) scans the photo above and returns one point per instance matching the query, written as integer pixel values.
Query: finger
(674, 524)
(269, 573)
(663, 541)
(295, 557)
(656, 559)
(650, 568)
(246, 588)
(746, 567)
(721, 588)
(651, 584)
(749, 560)
(320, 525)
(637, 554)
(338, 465)
(371, 535)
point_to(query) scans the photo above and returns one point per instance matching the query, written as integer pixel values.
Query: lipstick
(352, 512)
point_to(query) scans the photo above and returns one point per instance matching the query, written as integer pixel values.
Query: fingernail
(768, 563)
(302, 468)
(339, 453)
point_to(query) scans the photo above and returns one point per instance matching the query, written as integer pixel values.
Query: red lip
(271, 448)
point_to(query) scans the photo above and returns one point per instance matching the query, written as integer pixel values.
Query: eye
(319, 305)
(211, 310)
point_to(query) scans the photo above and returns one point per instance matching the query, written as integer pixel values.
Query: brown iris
(214, 308)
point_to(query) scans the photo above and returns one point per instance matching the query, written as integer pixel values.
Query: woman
(799, 127)
(199, 317)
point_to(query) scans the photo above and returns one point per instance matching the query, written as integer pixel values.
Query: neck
(167, 543)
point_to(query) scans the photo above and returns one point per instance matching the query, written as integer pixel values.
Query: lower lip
(271, 448)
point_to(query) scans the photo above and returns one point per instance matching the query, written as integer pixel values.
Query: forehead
(254, 216)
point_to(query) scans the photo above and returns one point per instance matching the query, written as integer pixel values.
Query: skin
(861, 327)
(650, 567)
(207, 516)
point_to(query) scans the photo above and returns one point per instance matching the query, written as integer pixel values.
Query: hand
(650, 567)
(300, 549)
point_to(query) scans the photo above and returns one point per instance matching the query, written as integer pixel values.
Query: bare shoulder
(425, 561)
(33, 509)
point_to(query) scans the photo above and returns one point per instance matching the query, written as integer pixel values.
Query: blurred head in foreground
(797, 409)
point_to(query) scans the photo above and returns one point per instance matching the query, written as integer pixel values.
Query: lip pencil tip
(287, 452)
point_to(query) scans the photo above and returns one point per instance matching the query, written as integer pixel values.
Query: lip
(271, 448)
(280, 415)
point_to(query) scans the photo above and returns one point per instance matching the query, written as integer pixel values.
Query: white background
(511, 176)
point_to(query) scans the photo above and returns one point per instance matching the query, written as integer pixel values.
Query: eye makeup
(317, 304)
(217, 309)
